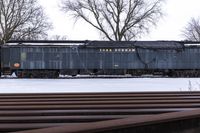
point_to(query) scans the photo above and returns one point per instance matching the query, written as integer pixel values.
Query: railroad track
(99, 112)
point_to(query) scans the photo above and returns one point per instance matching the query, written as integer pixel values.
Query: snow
(98, 85)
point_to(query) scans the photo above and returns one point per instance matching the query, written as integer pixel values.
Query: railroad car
(49, 59)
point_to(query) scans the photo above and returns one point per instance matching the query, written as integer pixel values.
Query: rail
(99, 112)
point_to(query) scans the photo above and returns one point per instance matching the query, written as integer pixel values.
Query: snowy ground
(98, 85)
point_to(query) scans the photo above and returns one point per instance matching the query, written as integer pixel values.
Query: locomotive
(49, 59)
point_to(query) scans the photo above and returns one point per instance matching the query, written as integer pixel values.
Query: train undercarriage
(96, 72)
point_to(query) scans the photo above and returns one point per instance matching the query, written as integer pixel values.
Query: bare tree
(58, 37)
(117, 19)
(22, 19)
(192, 30)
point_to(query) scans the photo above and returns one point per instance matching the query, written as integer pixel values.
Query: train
(49, 59)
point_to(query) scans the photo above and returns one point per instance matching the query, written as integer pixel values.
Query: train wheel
(74, 73)
(56, 75)
(18, 74)
(31, 75)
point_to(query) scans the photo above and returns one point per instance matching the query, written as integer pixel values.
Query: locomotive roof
(105, 44)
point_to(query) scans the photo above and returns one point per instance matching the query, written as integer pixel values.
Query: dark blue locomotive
(48, 59)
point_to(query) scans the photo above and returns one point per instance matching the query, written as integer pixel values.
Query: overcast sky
(177, 15)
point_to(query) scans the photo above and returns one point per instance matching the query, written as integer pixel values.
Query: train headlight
(17, 65)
